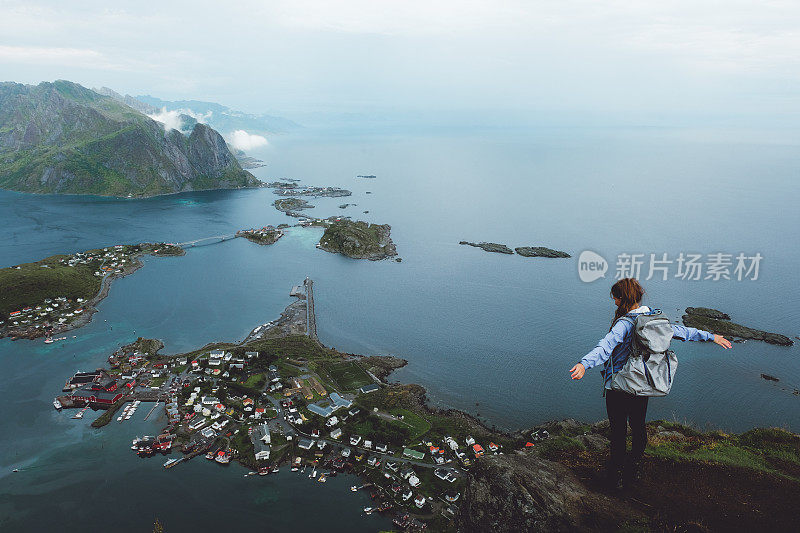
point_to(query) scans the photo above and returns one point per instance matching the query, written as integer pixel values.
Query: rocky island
(264, 236)
(358, 240)
(288, 205)
(292, 206)
(720, 323)
(292, 189)
(525, 251)
(490, 247)
(61, 137)
(280, 398)
(60, 293)
(540, 251)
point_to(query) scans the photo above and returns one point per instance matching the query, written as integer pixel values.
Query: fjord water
(488, 333)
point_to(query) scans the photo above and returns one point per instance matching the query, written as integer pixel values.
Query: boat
(79, 414)
(57, 404)
(171, 462)
(251, 473)
(322, 478)
(263, 471)
(15, 470)
(145, 451)
(275, 470)
(139, 440)
(223, 457)
(368, 510)
(48, 340)
(210, 456)
(295, 469)
(354, 488)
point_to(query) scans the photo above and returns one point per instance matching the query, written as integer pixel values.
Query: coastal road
(311, 319)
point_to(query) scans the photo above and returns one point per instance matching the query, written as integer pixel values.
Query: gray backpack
(650, 368)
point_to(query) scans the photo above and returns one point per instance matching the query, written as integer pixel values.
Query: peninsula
(720, 323)
(59, 293)
(282, 399)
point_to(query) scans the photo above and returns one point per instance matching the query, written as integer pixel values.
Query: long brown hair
(629, 293)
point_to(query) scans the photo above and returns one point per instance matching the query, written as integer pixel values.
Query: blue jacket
(617, 343)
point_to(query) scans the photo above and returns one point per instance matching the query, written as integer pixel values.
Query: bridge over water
(205, 241)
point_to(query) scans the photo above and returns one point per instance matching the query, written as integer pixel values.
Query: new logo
(591, 266)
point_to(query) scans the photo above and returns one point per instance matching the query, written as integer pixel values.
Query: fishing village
(280, 399)
(59, 293)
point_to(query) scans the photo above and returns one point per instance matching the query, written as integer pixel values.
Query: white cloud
(241, 140)
(172, 119)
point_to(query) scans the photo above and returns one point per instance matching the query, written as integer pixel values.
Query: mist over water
(477, 328)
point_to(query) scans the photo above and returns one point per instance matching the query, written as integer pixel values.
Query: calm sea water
(487, 333)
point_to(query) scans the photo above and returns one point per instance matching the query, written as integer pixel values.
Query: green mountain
(61, 137)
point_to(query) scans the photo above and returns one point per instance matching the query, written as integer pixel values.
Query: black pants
(623, 408)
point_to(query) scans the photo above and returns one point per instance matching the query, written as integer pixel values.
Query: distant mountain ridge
(61, 137)
(222, 117)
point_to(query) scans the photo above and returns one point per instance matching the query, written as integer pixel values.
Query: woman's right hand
(722, 341)
(577, 371)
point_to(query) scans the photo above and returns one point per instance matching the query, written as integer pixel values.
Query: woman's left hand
(722, 341)
(577, 371)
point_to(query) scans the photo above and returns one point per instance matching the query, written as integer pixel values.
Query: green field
(416, 424)
(256, 381)
(346, 375)
(48, 278)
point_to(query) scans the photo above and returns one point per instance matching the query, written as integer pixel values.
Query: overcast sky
(670, 57)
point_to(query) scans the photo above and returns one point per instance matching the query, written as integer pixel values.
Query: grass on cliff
(347, 375)
(48, 278)
(770, 450)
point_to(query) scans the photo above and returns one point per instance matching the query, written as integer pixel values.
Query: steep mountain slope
(61, 137)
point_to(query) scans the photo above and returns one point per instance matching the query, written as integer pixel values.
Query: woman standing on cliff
(621, 406)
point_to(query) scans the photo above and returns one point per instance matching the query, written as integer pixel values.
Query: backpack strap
(626, 318)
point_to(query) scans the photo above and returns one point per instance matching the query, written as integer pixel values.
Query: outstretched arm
(692, 334)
